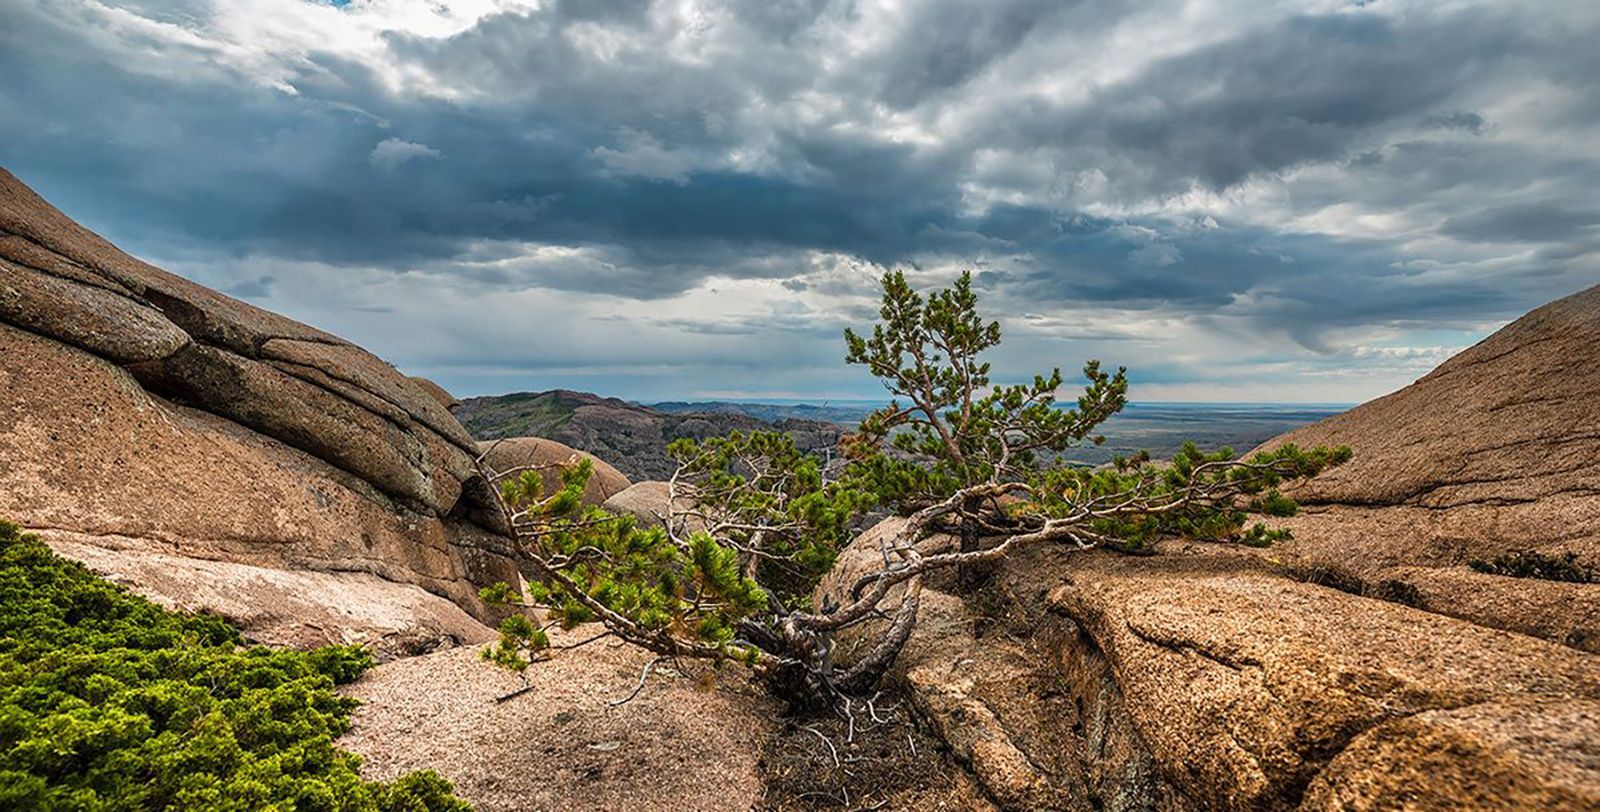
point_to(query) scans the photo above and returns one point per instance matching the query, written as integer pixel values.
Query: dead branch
(643, 675)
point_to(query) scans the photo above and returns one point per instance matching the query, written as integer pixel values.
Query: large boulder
(648, 503)
(550, 459)
(1206, 679)
(1495, 452)
(141, 411)
(437, 392)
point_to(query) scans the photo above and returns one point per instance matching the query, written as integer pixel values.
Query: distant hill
(1160, 428)
(631, 437)
(844, 415)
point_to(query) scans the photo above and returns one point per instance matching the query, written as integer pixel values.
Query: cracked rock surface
(1204, 678)
(141, 412)
(1497, 451)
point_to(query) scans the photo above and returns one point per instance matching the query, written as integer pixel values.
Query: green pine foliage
(773, 527)
(598, 566)
(952, 427)
(764, 493)
(108, 702)
(1191, 472)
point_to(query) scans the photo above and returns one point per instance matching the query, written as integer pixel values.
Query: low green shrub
(109, 702)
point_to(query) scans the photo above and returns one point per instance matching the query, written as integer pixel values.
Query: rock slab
(1495, 452)
(561, 745)
(146, 411)
(1205, 679)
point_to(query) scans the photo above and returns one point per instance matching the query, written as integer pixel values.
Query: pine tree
(963, 431)
(753, 524)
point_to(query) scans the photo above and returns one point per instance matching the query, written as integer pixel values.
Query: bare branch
(643, 675)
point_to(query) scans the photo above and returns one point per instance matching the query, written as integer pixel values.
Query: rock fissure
(25, 253)
(1173, 643)
(1462, 363)
(396, 412)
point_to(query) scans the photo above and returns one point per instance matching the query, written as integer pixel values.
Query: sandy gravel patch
(678, 745)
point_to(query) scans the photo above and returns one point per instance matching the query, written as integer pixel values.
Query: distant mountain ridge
(633, 436)
(630, 436)
(847, 416)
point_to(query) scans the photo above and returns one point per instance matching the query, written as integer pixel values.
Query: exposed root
(868, 754)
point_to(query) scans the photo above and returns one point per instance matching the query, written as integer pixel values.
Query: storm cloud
(1288, 201)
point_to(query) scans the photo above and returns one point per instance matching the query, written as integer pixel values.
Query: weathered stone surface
(204, 314)
(1508, 421)
(303, 415)
(363, 370)
(1203, 678)
(1244, 684)
(82, 290)
(294, 608)
(1561, 612)
(551, 457)
(437, 392)
(93, 318)
(1028, 704)
(28, 254)
(85, 449)
(676, 746)
(1496, 451)
(1512, 755)
(648, 503)
(240, 435)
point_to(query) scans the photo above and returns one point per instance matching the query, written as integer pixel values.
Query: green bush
(108, 702)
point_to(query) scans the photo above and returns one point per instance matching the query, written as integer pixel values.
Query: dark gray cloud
(1278, 96)
(949, 42)
(1540, 222)
(1459, 120)
(1334, 175)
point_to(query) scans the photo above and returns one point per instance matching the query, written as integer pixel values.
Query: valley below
(633, 437)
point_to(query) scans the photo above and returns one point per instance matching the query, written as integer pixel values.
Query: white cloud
(392, 152)
(640, 155)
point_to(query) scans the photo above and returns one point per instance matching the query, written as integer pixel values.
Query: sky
(1313, 201)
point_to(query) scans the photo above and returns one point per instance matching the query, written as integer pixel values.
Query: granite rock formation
(550, 459)
(140, 411)
(1496, 452)
(1359, 666)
